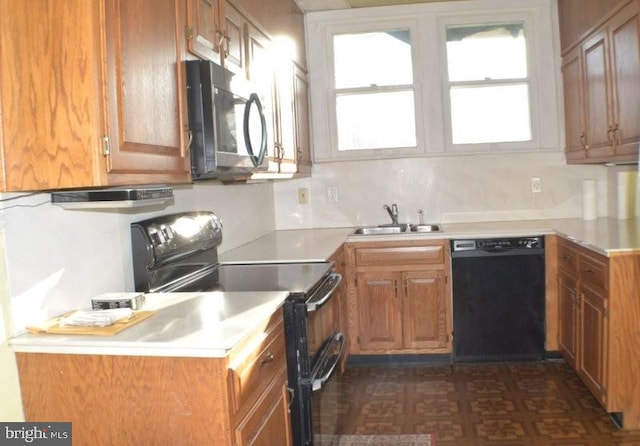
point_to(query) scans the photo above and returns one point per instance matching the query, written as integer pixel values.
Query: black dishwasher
(498, 299)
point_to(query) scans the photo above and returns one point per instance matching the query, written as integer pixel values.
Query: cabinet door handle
(609, 138)
(583, 140)
(292, 393)
(267, 359)
(189, 141)
(223, 42)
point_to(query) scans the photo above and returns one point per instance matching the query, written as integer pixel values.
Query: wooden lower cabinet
(599, 310)
(400, 297)
(568, 311)
(268, 422)
(593, 334)
(238, 400)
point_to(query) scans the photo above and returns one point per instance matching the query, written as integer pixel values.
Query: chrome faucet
(393, 212)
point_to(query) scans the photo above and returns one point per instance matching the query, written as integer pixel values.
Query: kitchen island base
(150, 400)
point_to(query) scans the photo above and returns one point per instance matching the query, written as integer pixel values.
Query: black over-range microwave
(227, 124)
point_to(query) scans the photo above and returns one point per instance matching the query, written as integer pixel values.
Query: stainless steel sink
(396, 229)
(379, 230)
(425, 228)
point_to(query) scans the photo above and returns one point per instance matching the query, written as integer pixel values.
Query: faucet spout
(393, 212)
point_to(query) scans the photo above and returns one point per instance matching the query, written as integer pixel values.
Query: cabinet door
(597, 97)
(593, 338)
(572, 75)
(568, 316)
(234, 28)
(145, 91)
(379, 311)
(50, 95)
(301, 118)
(624, 29)
(268, 423)
(424, 310)
(203, 34)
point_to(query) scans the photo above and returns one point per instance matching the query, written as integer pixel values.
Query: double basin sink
(401, 228)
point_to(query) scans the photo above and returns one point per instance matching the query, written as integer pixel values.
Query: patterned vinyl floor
(505, 404)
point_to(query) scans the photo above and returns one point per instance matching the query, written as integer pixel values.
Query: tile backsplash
(448, 189)
(57, 259)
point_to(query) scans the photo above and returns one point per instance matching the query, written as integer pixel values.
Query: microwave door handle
(313, 305)
(254, 100)
(318, 381)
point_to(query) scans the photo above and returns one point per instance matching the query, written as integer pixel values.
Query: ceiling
(319, 5)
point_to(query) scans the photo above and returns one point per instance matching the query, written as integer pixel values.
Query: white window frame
(331, 91)
(531, 80)
(427, 24)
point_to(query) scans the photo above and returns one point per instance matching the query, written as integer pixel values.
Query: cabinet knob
(267, 359)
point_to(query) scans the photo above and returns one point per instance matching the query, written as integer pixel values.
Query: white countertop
(295, 245)
(604, 235)
(210, 324)
(185, 324)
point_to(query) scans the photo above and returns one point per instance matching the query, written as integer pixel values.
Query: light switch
(303, 195)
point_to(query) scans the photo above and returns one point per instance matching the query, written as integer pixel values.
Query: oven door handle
(327, 361)
(333, 281)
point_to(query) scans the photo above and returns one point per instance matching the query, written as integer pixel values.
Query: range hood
(113, 197)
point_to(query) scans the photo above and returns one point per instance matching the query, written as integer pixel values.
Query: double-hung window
(373, 85)
(434, 79)
(489, 86)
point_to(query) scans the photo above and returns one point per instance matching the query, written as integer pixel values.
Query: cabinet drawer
(251, 372)
(593, 270)
(400, 255)
(567, 257)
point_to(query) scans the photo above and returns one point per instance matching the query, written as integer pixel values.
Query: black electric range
(178, 253)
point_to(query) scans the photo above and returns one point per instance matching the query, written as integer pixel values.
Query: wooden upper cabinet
(579, 17)
(624, 32)
(204, 34)
(235, 29)
(302, 119)
(597, 97)
(50, 103)
(146, 104)
(93, 95)
(575, 125)
(602, 94)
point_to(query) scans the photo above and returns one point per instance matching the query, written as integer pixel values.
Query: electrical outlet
(332, 194)
(303, 195)
(536, 185)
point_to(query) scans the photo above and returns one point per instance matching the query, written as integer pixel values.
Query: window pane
(375, 120)
(490, 114)
(483, 52)
(375, 58)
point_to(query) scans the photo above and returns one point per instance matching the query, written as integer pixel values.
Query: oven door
(325, 392)
(326, 349)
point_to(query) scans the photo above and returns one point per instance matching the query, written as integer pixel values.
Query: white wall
(10, 402)
(58, 259)
(448, 189)
(54, 260)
